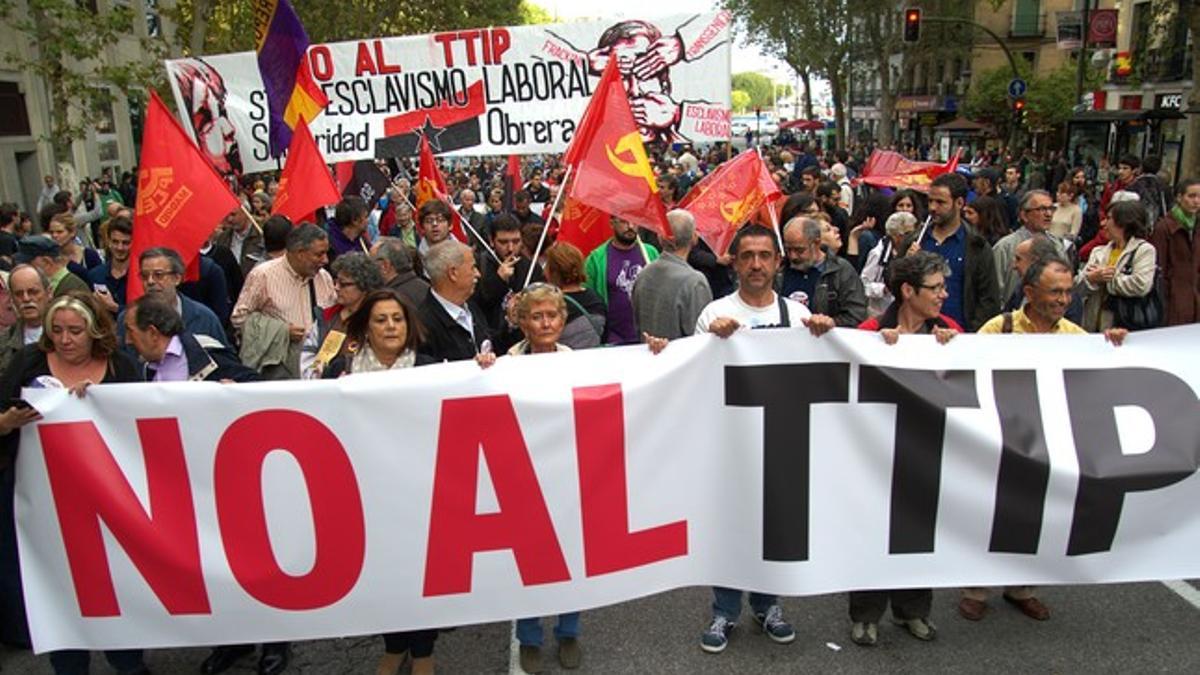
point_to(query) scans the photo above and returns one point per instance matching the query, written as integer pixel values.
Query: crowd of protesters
(1016, 247)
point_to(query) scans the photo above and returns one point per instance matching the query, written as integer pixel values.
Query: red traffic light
(912, 24)
(1019, 104)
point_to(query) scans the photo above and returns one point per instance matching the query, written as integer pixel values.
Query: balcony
(1027, 25)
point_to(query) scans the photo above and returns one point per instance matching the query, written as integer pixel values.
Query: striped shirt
(275, 289)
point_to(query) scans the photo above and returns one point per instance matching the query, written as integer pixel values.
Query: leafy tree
(70, 47)
(220, 26)
(810, 36)
(740, 100)
(760, 88)
(1049, 101)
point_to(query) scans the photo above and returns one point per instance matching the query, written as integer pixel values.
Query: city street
(1122, 628)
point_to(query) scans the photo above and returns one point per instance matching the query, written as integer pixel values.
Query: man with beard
(109, 279)
(611, 270)
(817, 279)
(29, 290)
(974, 294)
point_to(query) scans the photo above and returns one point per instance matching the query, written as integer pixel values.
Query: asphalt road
(1120, 628)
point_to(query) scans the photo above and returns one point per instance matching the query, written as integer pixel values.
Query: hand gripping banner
(158, 515)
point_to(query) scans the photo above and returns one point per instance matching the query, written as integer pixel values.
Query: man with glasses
(974, 296)
(29, 290)
(161, 271)
(819, 279)
(1035, 213)
(434, 220)
(1048, 283)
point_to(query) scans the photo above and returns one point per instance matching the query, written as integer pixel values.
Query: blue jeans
(529, 631)
(75, 661)
(727, 602)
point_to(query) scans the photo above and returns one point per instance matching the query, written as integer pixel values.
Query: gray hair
(177, 266)
(442, 256)
(1042, 247)
(810, 228)
(45, 280)
(898, 222)
(303, 236)
(360, 269)
(1028, 197)
(395, 252)
(683, 229)
(466, 191)
(151, 311)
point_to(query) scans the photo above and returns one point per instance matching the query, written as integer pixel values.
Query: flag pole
(774, 224)
(542, 239)
(642, 247)
(470, 228)
(250, 216)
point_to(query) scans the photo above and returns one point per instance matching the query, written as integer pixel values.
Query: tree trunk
(887, 101)
(1191, 142)
(201, 10)
(808, 105)
(837, 89)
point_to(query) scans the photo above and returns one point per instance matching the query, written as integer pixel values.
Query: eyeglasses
(542, 286)
(435, 219)
(156, 275)
(936, 288)
(338, 283)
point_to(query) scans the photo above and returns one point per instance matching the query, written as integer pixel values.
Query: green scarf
(1181, 216)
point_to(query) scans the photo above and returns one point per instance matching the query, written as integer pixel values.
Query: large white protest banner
(200, 513)
(495, 91)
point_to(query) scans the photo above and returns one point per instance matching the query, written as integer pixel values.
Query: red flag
(180, 199)
(728, 197)
(885, 168)
(515, 181)
(585, 227)
(612, 172)
(431, 185)
(305, 185)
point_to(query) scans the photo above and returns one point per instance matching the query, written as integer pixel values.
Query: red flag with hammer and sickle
(611, 170)
(728, 197)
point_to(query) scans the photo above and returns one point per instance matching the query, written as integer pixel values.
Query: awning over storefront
(1126, 115)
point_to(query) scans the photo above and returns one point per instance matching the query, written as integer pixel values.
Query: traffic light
(1018, 108)
(912, 24)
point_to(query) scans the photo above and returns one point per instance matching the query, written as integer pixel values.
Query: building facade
(26, 154)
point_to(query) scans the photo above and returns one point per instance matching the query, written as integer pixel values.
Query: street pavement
(1117, 628)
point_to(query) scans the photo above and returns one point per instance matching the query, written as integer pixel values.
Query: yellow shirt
(1022, 324)
(1114, 255)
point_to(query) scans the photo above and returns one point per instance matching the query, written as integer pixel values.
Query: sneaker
(773, 624)
(531, 659)
(864, 633)
(716, 638)
(570, 656)
(922, 629)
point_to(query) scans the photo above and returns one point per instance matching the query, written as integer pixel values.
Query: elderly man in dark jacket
(455, 327)
(818, 278)
(395, 263)
(155, 330)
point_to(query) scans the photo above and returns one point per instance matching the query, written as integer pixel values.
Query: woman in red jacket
(918, 284)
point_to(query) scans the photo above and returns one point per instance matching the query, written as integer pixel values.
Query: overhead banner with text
(159, 515)
(495, 91)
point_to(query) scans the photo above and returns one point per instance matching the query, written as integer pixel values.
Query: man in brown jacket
(1178, 248)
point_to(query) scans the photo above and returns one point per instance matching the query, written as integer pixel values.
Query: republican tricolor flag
(292, 93)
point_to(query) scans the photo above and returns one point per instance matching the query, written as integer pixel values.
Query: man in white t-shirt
(756, 259)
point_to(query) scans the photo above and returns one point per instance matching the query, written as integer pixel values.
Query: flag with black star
(447, 127)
